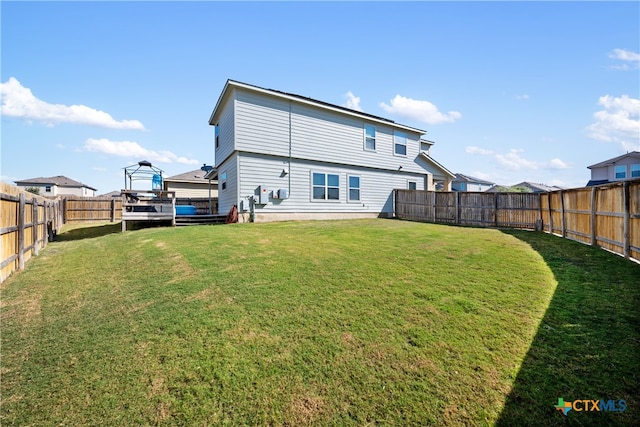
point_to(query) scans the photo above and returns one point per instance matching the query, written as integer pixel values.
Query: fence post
(21, 203)
(34, 226)
(626, 226)
(563, 228)
(113, 210)
(594, 218)
(495, 209)
(457, 205)
(550, 213)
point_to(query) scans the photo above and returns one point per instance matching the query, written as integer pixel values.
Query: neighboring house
(537, 188)
(284, 156)
(468, 183)
(191, 184)
(58, 186)
(523, 187)
(619, 168)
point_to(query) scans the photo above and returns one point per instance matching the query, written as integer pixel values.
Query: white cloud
(619, 122)
(135, 150)
(423, 111)
(513, 161)
(557, 164)
(477, 150)
(522, 97)
(352, 101)
(625, 55)
(18, 101)
(99, 169)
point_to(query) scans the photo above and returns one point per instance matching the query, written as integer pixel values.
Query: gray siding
(226, 136)
(229, 196)
(265, 125)
(376, 186)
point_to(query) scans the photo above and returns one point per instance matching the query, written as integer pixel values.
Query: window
(354, 188)
(47, 189)
(635, 170)
(369, 137)
(413, 185)
(326, 186)
(621, 172)
(400, 143)
(217, 128)
(223, 179)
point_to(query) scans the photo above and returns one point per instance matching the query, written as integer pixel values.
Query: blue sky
(508, 91)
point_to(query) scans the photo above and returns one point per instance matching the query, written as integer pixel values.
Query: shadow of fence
(587, 346)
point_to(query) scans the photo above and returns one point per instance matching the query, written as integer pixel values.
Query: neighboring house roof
(194, 176)
(115, 193)
(613, 161)
(538, 188)
(306, 100)
(60, 181)
(467, 178)
(593, 182)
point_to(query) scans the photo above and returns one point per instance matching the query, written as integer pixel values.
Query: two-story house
(283, 156)
(57, 186)
(621, 168)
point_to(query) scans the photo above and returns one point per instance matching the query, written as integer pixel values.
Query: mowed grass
(330, 322)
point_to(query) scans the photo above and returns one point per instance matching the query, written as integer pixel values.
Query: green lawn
(329, 322)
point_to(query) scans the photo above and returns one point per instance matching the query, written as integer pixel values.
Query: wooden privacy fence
(607, 216)
(27, 223)
(110, 208)
(518, 210)
(92, 209)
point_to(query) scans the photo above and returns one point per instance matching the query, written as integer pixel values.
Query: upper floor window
(47, 189)
(354, 188)
(412, 185)
(326, 186)
(635, 170)
(621, 172)
(217, 130)
(399, 143)
(369, 137)
(223, 180)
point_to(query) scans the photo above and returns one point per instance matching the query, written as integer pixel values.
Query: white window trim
(375, 139)
(349, 199)
(409, 181)
(326, 186)
(615, 172)
(631, 169)
(406, 144)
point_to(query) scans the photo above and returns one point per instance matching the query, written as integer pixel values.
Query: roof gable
(613, 161)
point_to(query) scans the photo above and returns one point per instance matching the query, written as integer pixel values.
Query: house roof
(467, 178)
(306, 100)
(197, 176)
(60, 181)
(538, 188)
(613, 161)
(438, 165)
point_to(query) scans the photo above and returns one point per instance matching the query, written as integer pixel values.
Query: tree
(34, 190)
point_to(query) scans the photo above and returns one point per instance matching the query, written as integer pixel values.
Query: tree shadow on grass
(587, 346)
(89, 232)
